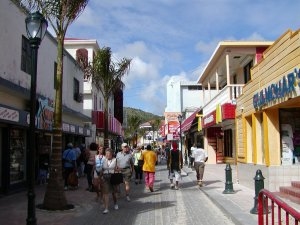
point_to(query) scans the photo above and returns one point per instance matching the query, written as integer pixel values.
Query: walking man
(125, 165)
(192, 159)
(200, 156)
(175, 163)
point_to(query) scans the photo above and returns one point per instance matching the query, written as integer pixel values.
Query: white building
(15, 99)
(93, 100)
(184, 98)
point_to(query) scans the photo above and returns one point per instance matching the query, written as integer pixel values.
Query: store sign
(66, 127)
(9, 114)
(209, 119)
(80, 130)
(171, 116)
(277, 90)
(45, 114)
(72, 128)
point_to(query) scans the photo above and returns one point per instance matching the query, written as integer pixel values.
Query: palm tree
(133, 124)
(60, 14)
(107, 77)
(155, 124)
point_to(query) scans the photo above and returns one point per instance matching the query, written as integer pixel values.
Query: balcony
(114, 126)
(227, 95)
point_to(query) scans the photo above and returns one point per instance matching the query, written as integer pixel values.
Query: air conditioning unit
(78, 97)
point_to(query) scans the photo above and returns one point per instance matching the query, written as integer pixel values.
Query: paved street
(188, 205)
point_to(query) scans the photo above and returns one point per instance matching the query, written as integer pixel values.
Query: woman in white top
(99, 159)
(137, 166)
(108, 167)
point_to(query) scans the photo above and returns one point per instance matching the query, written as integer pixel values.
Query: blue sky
(175, 38)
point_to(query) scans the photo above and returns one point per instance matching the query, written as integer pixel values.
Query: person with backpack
(69, 163)
(175, 164)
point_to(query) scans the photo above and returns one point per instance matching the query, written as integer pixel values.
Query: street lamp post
(36, 26)
(185, 154)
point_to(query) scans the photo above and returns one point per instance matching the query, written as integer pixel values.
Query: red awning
(186, 125)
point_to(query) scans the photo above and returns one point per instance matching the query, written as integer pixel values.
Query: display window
(290, 136)
(17, 155)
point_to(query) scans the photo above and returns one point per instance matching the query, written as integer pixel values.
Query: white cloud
(171, 39)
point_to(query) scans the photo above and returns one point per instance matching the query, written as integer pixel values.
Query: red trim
(187, 123)
(209, 120)
(114, 125)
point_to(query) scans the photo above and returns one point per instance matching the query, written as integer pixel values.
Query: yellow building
(268, 117)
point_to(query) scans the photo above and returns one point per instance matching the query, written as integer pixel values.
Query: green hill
(145, 116)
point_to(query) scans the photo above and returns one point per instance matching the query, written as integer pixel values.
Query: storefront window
(17, 156)
(290, 136)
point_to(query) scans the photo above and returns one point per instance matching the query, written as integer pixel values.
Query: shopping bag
(116, 178)
(73, 179)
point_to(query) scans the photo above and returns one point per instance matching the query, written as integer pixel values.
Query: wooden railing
(272, 210)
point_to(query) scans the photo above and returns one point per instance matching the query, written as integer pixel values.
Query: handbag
(140, 163)
(73, 179)
(116, 178)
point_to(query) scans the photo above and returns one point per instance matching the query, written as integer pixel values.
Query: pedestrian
(192, 159)
(149, 158)
(175, 163)
(201, 157)
(69, 163)
(125, 166)
(167, 151)
(99, 159)
(90, 157)
(82, 160)
(138, 167)
(109, 167)
(77, 152)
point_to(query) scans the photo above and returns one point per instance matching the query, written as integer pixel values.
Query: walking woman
(137, 165)
(109, 166)
(149, 158)
(90, 156)
(99, 159)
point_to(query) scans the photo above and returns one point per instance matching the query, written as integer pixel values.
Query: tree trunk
(54, 198)
(106, 140)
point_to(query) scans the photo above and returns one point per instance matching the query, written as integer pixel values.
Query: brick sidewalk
(188, 205)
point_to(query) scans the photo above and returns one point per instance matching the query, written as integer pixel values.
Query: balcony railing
(272, 210)
(227, 95)
(114, 125)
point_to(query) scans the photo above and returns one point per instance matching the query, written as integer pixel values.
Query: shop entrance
(290, 135)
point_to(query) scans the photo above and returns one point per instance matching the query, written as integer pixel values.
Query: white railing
(227, 95)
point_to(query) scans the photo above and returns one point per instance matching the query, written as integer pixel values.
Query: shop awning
(186, 125)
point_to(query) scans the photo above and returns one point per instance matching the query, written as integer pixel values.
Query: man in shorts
(125, 163)
(175, 163)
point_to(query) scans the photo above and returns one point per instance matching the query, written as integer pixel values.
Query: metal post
(31, 217)
(228, 183)
(259, 184)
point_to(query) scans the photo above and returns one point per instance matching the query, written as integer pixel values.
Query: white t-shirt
(192, 150)
(199, 154)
